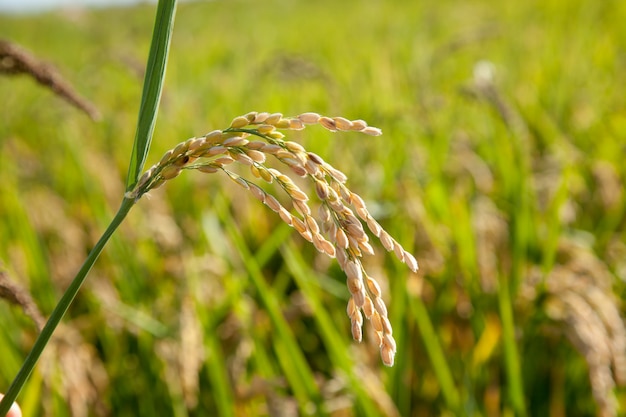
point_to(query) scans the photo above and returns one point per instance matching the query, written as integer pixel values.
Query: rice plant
(500, 168)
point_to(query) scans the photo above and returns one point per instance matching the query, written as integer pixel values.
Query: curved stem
(60, 310)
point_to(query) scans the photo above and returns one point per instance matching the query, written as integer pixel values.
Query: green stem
(61, 309)
(436, 355)
(511, 355)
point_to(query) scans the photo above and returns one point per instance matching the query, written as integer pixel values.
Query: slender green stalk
(152, 87)
(153, 83)
(511, 356)
(436, 355)
(60, 309)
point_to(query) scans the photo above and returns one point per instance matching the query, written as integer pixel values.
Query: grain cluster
(336, 228)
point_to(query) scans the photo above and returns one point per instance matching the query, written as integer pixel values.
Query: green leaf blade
(152, 88)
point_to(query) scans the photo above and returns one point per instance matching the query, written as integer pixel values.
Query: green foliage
(205, 303)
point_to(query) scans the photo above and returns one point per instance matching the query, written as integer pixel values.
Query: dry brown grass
(16, 60)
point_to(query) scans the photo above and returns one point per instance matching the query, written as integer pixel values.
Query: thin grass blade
(152, 87)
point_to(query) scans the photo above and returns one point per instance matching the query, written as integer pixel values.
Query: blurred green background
(501, 168)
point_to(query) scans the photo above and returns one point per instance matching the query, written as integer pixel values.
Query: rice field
(500, 169)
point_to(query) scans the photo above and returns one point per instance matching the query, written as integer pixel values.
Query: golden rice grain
(260, 117)
(327, 123)
(359, 125)
(169, 172)
(207, 169)
(342, 123)
(239, 122)
(309, 118)
(235, 141)
(273, 118)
